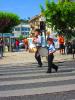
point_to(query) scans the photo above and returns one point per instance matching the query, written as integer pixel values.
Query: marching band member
(51, 50)
(37, 41)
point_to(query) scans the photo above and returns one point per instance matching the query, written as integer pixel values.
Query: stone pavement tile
(26, 57)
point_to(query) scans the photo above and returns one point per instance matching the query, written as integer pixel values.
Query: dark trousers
(50, 63)
(1, 51)
(38, 58)
(17, 48)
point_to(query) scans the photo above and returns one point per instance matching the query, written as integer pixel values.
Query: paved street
(23, 80)
(26, 57)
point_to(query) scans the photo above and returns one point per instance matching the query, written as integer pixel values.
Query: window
(17, 29)
(28, 29)
(12, 29)
(24, 29)
(26, 33)
(23, 33)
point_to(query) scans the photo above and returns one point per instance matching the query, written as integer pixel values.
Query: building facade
(22, 29)
(35, 23)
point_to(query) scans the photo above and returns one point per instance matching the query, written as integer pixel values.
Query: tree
(66, 0)
(26, 21)
(7, 21)
(21, 37)
(60, 17)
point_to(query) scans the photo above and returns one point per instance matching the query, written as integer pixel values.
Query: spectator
(17, 44)
(61, 44)
(26, 43)
(1, 47)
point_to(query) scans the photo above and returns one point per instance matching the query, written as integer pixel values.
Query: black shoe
(39, 65)
(56, 69)
(48, 71)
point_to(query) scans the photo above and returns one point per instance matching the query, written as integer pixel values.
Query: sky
(23, 8)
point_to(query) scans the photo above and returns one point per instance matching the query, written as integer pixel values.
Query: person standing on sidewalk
(1, 47)
(37, 42)
(61, 44)
(51, 50)
(26, 43)
(17, 44)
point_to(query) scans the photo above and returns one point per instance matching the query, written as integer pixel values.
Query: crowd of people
(15, 45)
(20, 44)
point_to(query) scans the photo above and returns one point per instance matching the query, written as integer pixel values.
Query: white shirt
(38, 41)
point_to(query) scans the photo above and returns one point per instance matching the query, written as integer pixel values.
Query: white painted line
(26, 71)
(23, 75)
(30, 69)
(35, 74)
(41, 90)
(23, 68)
(37, 80)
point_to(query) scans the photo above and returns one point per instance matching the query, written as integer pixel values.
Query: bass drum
(43, 52)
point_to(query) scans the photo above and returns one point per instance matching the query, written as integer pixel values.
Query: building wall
(22, 29)
(35, 23)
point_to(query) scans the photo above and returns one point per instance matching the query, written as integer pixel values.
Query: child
(51, 50)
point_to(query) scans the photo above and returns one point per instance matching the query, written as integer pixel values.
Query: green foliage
(7, 21)
(24, 21)
(60, 17)
(21, 37)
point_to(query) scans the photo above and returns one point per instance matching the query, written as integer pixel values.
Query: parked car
(21, 45)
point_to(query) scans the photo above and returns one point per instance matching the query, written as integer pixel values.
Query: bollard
(1, 52)
(73, 47)
(73, 52)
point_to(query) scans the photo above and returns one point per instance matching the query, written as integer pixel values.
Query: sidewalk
(26, 57)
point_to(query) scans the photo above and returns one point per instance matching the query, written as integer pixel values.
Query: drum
(43, 52)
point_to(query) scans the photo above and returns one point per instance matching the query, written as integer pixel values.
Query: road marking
(33, 91)
(37, 80)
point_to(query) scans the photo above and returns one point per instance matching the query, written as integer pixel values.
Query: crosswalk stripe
(21, 68)
(33, 74)
(33, 91)
(11, 83)
(37, 80)
(32, 69)
(28, 66)
(16, 72)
